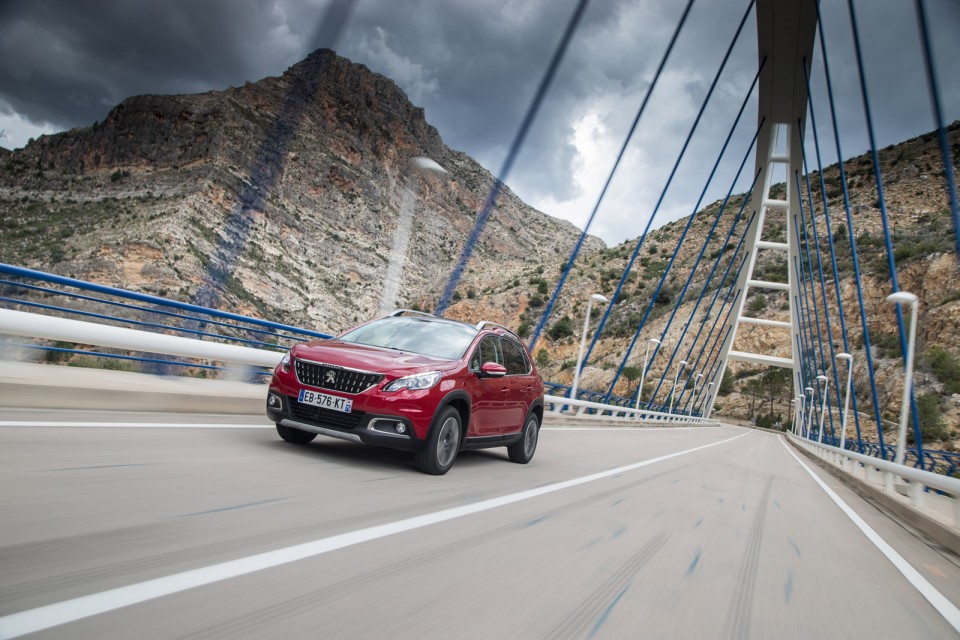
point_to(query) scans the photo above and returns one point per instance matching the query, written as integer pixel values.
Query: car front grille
(326, 376)
(324, 417)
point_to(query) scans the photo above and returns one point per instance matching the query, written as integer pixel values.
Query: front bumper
(393, 431)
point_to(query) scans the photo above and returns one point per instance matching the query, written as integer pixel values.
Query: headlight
(415, 382)
(285, 363)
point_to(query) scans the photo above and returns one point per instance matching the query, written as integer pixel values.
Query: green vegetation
(562, 328)
(945, 366)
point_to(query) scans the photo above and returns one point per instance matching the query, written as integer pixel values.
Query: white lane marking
(133, 425)
(946, 608)
(33, 620)
(625, 428)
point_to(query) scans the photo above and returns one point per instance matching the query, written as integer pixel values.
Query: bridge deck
(735, 539)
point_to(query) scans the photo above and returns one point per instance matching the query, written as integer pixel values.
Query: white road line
(946, 608)
(133, 425)
(625, 428)
(46, 617)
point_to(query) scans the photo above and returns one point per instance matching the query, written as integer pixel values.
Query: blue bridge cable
(833, 261)
(806, 325)
(683, 334)
(938, 120)
(723, 278)
(725, 319)
(663, 193)
(726, 298)
(846, 203)
(816, 311)
(833, 253)
(518, 141)
(703, 291)
(823, 293)
(686, 229)
(636, 120)
(884, 217)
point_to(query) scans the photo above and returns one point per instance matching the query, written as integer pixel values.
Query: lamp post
(904, 297)
(680, 366)
(808, 405)
(643, 372)
(823, 405)
(583, 342)
(796, 405)
(846, 398)
(799, 426)
(706, 399)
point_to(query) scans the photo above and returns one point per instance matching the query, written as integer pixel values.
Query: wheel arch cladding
(460, 401)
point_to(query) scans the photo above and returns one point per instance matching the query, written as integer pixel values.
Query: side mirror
(492, 370)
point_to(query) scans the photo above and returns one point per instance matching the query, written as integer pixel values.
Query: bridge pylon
(785, 36)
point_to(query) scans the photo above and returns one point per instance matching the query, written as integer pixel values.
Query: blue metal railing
(69, 297)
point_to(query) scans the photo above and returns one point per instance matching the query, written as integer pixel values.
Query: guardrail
(556, 405)
(918, 481)
(59, 296)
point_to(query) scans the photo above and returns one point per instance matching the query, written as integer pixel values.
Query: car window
(515, 358)
(487, 351)
(446, 340)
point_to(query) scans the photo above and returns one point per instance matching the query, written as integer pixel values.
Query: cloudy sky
(474, 66)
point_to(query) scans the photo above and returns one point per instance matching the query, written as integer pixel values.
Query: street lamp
(809, 406)
(904, 297)
(846, 398)
(823, 404)
(693, 394)
(706, 399)
(796, 405)
(799, 425)
(583, 342)
(680, 366)
(643, 372)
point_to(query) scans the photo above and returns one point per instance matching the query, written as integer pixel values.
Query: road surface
(132, 526)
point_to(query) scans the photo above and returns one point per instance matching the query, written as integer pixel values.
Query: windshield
(445, 340)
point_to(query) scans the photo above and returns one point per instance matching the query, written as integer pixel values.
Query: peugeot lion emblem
(331, 377)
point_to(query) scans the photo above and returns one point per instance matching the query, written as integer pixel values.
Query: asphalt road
(218, 531)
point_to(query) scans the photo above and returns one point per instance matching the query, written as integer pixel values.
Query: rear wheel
(523, 449)
(295, 436)
(443, 444)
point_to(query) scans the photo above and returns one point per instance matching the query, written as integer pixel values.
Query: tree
(543, 357)
(726, 384)
(754, 389)
(562, 328)
(775, 382)
(631, 374)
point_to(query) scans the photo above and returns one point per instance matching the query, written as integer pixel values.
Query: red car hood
(366, 358)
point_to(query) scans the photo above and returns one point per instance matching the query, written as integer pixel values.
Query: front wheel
(295, 436)
(523, 449)
(442, 445)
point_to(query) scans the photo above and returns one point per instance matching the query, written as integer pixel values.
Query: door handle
(505, 390)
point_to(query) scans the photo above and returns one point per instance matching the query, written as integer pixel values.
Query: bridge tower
(785, 36)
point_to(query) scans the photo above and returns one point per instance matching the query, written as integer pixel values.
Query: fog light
(401, 428)
(273, 401)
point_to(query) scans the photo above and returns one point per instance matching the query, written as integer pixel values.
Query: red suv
(416, 382)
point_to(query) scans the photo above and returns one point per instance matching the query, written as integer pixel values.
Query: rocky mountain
(282, 198)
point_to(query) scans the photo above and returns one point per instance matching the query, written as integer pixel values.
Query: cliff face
(281, 197)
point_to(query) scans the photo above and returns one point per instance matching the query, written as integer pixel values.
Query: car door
(488, 415)
(521, 383)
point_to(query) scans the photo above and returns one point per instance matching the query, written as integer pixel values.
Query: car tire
(442, 445)
(295, 436)
(523, 449)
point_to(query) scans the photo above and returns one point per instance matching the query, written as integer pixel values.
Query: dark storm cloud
(474, 66)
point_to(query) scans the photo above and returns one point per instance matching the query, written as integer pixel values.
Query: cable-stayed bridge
(644, 515)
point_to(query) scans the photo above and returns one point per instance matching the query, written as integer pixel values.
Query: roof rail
(486, 323)
(400, 312)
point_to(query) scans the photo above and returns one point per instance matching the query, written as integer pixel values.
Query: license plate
(325, 401)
